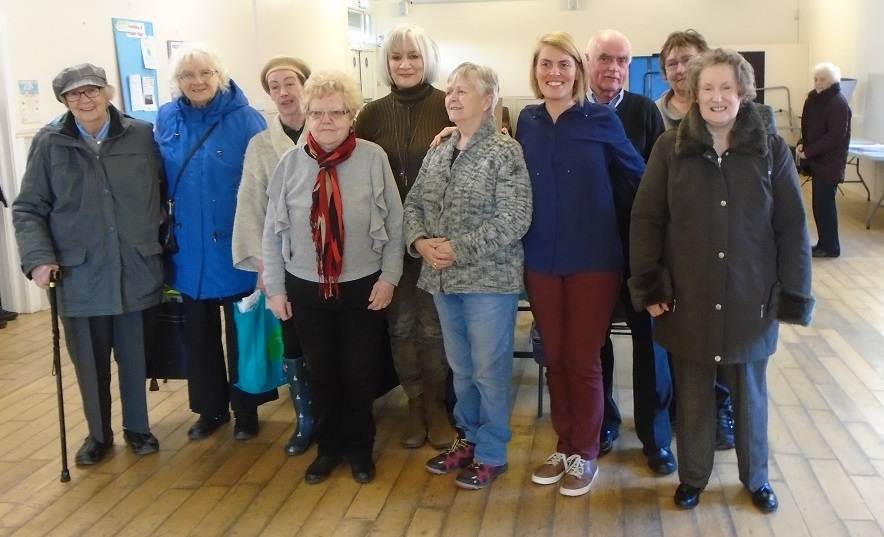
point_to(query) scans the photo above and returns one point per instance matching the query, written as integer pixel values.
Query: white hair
(484, 78)
(198, 52)
(398, 37)
(829, 69)
(606, 35)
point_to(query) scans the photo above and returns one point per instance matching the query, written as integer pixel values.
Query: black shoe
(321, 468)
(765, 499)
(92, 451)
(206, 425)
(822, 252)
(7, 315)
(724, 434)
(687, 497)
(362, 467)
(141, 443)
(661, 461)
(606, 440)
(245, 427)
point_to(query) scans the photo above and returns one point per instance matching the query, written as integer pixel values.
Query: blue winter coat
(205, 195)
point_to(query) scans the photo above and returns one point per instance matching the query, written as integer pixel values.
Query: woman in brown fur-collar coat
(720, 256)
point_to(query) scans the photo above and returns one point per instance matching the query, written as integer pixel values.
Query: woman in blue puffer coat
(203, 135)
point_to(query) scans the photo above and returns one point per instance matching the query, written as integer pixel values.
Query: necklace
(403, 137)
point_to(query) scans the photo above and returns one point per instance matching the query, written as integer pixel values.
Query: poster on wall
(173, 46)
(137, 63)
(29, 102)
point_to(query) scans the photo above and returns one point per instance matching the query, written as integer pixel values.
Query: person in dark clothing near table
(825, 136)
(608, 54)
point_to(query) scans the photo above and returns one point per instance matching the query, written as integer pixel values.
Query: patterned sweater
(482, 203)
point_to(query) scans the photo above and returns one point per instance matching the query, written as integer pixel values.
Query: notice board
(136, 61)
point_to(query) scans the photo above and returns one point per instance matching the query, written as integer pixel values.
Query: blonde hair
(427, 48)
(329, 82)
(565, 43)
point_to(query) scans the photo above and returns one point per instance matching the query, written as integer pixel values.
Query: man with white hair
(608, 54)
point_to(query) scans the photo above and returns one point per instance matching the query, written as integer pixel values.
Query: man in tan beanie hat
(283, 79)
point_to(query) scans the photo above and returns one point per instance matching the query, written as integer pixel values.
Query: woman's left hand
(381, 295)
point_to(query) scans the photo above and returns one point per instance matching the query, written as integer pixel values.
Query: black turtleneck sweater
(404, 123)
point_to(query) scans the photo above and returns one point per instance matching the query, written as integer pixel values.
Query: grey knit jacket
(482, 204)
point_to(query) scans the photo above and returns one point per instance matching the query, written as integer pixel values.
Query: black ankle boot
(299, 388)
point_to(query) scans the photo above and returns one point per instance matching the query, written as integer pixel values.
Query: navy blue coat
(205, 195)
(574, 227)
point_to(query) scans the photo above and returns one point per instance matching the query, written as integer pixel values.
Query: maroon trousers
(572, 314)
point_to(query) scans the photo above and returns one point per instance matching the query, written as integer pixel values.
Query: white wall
(502, 34)
(46, 35)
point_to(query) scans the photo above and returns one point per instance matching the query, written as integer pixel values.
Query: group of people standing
(357, 231)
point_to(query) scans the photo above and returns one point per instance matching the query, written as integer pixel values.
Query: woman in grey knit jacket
(464, 216)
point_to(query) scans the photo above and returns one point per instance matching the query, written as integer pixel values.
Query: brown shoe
(439, 431)
(579, 476)
(415, 432)
(551, 471)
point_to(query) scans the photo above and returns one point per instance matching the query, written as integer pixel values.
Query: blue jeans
(477, 331)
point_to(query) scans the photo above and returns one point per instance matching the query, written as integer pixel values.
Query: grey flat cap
(84, 74)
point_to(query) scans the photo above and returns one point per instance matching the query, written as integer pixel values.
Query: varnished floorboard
(826, 435)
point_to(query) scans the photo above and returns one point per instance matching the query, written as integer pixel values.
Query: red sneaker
(478, 476)
(458, 456)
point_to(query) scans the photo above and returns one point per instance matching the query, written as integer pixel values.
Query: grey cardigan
(482, 204)
(372, 218)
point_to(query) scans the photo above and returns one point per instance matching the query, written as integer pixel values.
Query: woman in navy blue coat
(573, 254)
(202, 189)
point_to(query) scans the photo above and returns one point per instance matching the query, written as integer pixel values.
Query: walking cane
(54, 278)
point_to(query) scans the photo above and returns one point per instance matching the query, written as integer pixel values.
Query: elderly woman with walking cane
(89, 209)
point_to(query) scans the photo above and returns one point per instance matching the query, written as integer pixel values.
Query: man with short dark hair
(607, 63)
(89, 209)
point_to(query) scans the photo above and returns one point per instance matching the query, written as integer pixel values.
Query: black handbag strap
(190, 155)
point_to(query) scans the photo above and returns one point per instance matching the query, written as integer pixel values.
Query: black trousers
(342, 340)
(825, 214)
(210, 385)
(651, 381)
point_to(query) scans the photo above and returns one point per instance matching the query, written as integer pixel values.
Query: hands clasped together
(436, 252)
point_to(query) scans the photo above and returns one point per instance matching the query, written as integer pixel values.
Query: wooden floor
(826, 436)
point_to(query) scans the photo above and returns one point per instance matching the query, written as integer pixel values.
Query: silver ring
(435, 266)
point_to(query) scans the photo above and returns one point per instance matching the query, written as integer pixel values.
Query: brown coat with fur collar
(723, 242)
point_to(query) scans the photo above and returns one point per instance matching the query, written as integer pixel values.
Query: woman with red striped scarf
(333, 253)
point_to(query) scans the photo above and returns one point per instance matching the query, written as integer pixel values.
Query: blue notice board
(136, 57)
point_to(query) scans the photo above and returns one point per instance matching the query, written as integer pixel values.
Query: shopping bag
(259, 342)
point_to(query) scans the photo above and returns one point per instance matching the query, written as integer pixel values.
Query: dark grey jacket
(97, 216)
(482, 204)
(723, 242)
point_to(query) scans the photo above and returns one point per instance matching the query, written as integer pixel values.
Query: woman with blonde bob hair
(720, 257)
(403, 123)
(332, 253)
(573, 254)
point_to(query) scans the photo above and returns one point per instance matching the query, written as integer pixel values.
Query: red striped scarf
(327, 214)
